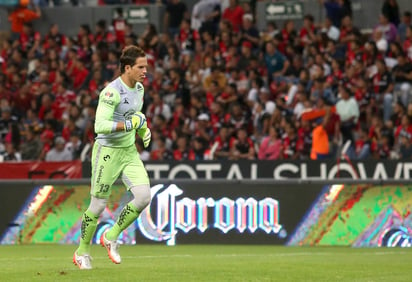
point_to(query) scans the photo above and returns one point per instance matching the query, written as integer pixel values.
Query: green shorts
(109, 163)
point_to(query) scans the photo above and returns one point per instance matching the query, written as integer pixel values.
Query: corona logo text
(175, 215)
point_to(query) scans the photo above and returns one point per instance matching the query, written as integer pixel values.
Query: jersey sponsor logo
(100, 174)
(109, 102)
(108, 94)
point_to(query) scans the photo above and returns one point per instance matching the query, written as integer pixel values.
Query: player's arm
(108, 101)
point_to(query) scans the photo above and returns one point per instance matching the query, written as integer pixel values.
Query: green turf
(209, 263)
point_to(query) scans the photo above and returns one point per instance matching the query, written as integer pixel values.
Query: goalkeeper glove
(146, 136)
(136, 121)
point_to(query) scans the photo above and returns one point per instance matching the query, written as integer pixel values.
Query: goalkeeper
(118, 118)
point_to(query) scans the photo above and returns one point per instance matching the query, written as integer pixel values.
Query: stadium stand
(219, 87)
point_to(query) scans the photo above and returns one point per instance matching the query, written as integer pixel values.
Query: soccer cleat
(83, 262)
(112, 248)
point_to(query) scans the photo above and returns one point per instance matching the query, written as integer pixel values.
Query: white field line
(298, 254)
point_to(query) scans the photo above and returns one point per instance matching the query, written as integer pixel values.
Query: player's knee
(141, 196)
(145, 201)
(142, 201)
(97, 205)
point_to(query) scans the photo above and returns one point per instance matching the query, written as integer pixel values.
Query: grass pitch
(208, 263)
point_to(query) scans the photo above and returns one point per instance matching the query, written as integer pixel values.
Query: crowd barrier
(230, 170)
(293, 212)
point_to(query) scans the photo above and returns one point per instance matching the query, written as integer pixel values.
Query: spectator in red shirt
(22, 100)
(363, 145)
(102, 34)
(4, 92)
(222, 143)
(354, 52)
(95, 84)
(246, 56)
(55, 38)
(29, 39)
(348, 32)
(46, 106)
(383, 88)
(63, 98)
(161, 153)
(182, 151)
(47, 137)
(241, 146)
(85, 52)
(307, 32)
(187, 36)
(84, 31)
(399, 110)
(234, 14)
(292, 145)
(287, 36)
(203, 127)
(383, 148)
(80, 75)
(405, 128)
(119, 24)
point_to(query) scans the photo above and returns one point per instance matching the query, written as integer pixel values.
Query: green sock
(126, 217)
(89, 224)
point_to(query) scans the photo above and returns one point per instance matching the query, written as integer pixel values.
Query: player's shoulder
(110, 94)
(139, 88)
(111, 87)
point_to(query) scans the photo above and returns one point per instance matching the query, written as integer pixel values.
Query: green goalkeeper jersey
(117, 102)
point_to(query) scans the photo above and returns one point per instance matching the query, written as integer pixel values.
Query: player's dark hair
(129, 56)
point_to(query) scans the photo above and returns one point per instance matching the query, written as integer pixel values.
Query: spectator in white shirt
(348, 110)
(269, 105)
(59, 153)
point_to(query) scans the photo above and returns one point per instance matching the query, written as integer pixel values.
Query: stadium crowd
(218, 87)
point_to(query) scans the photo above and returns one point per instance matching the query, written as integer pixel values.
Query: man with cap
(59, 153)
(248, 31)
(246, 56)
